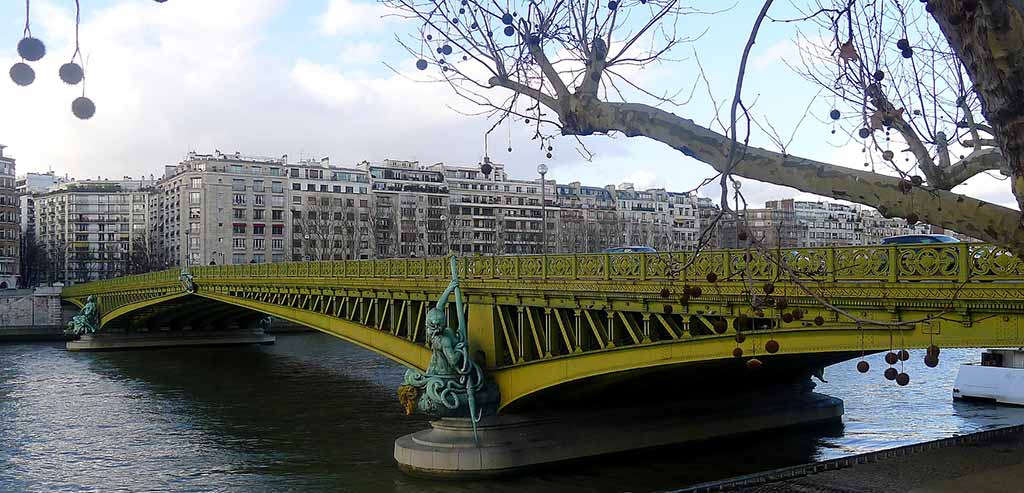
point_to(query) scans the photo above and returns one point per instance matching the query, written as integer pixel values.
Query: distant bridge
(550, 326)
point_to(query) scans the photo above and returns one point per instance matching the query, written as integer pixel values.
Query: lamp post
(447, 233)
(542, 169)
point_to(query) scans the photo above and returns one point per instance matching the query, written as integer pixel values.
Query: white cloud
(350, 16)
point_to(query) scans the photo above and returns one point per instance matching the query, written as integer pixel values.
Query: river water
(312, 413)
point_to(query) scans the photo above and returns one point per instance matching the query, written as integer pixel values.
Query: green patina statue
(87, 321)
(454, 385)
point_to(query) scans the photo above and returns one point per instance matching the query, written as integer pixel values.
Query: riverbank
(979, 462)
(33, 334)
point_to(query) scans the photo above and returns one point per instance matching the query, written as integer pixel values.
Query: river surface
(313, 413)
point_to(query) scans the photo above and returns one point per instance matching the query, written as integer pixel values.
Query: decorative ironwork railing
(956, 262)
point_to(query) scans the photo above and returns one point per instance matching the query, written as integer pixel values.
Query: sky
(312, 79)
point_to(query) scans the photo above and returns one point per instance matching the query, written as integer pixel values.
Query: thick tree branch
(976, 162)
(595, 67)
(890, 195)
(537, 52)
(525, 90)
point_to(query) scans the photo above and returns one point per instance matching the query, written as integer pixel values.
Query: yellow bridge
(553, 325)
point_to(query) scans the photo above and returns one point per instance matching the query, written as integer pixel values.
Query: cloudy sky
(308, 78)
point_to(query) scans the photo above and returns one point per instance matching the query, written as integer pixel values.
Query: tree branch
(528, 91)
(890, 195)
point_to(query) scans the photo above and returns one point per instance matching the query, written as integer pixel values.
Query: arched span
(398, 349)
(521, 384)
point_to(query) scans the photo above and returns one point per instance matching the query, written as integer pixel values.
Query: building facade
(9, 224)
(93, 229)
(232, 209)
(223, 209)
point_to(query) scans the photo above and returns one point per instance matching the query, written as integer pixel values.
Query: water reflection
(314, 413)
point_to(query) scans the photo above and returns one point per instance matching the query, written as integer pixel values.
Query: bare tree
(564, 65)
(146, 256)
(326, 227)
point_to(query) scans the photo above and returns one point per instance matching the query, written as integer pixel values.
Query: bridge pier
(115, 340)
(511, 443)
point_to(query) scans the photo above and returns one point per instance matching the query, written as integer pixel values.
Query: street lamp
(447, 232)
(542, 169)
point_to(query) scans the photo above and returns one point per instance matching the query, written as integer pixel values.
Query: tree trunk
(988, 36)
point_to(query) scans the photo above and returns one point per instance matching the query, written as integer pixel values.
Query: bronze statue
(87, 321)
(454, 385)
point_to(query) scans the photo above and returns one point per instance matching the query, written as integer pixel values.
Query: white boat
(999, 378)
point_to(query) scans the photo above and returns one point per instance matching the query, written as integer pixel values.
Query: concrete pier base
(511, 443)
(107, 341)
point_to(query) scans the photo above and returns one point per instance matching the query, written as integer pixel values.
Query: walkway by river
(313, 413)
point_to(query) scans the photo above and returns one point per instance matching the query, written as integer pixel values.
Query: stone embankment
(31, 314)
(980, 462)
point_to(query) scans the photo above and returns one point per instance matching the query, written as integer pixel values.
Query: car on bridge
(630, 249)
(919, 240)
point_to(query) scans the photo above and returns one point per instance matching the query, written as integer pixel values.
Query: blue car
(918, 240)
(630, 249)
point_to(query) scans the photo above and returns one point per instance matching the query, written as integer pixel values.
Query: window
(238, 213)
(277, 229)
(297, 200)
(236, 168)
(323, 188)
(259, 229)
(257, 185)
(277, 257)
(276, 187)
(275, 171)
(257, 213)
(238, 199)
(277, 244)
(310, 187)
(194, 197)
(197, 183)
(258, 200)
(276, 215)
(238, 258)
(238, 185)
(238, 229)
(238, 243)
(259, 258)
(259, 244)
(193, 228)
(296, 186)
(193, 242)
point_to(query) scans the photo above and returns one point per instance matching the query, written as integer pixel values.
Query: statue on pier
(87, 321)
(454, 385)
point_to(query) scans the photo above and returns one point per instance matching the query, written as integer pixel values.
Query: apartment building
(474, 222)
(93, 229)
(792, 223)
(587, 218)
(223, 209)
(9, 228)
(823, 223)
(329, 212)
(406, 211)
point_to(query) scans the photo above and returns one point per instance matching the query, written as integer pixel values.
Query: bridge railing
(956, 262)
(132, 281)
